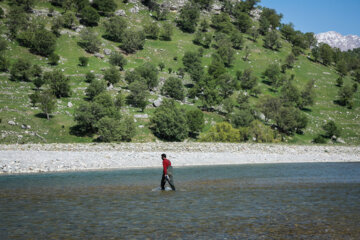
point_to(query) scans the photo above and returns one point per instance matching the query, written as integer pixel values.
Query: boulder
(11, 123)
(69, 104)
(99, 55)
(107, 51)
(120, 12)
(134, 9)
(157, 102)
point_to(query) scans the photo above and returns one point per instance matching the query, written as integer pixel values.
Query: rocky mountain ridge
(335, 39)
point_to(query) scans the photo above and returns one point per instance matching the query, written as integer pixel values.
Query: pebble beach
(34, 158)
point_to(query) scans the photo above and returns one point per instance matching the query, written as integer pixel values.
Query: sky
(342, 16)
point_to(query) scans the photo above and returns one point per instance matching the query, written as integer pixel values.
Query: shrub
(89, 40)
(169, 122)
(345, 95)
(272, 74)
(152, 30)
(34, 98)
(149, 73)
(242, 118)
(95, 88)
(59, 84)
(117, 59)
(319, 139)
(331, 129)
(166, 31)
(195, 121)
(120, 100)
(290, 120)
(38, 82)
(132, 41)
(54, 59)
(260, 132)
(188, 17)
(112, 75)
(222, 132)
(44, 42)
(115, 28)
(21, 70)
(89, 16)
(83, 61)
(47, 103)
(4, 63)
(70, 20)
(104, 6)
(89, 77)
(174, 88)
(111, 129)
(138, 94)
(247, 79)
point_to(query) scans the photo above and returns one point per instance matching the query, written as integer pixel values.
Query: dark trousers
(170, 181)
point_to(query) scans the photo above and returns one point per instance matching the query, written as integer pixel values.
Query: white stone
(69, 104)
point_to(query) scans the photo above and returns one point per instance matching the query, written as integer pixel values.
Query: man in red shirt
(167, 173)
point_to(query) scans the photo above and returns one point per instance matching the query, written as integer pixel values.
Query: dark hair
(163, 155)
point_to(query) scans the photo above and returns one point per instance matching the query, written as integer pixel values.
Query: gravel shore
(30, 158)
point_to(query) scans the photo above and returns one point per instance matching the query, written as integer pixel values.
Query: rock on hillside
(335, 39)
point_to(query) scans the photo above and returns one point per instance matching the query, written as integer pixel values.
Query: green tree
(269, 19)
(120, 100)
(260, 132)
(84, 61)
(173, 88)
(34, 98)
(222, 132)
(248, 80)
(331, 129)
(59, 84)
(21, 70)
(290, 60)
(195, 121)
(227, 53)
(166, 31)
(112, 75)
(95, 88)
(138, 94)
(116, 130)
(17, 20)
(241, 118)
(290, 94)
(243, 21)
(152, 30)
(117, 59)
(188, 18)
(104, 7)
(54, 59)
(87, 115)
(271, 41)
(308, 94)
(270, 107)
(89, 40)
(149, 73)
(222, 23)
(254, 33)
(169, 122)
(89, 16)
(341, 67)
(237, 40)
(290, 120)
(345, 95)
(89, 77)
(272, 74)
(132, 41)
(325, 53)
(70, 20)
(47, 103)
(115, 28)
(57, 24)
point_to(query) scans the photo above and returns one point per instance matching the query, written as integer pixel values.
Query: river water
(264, 201)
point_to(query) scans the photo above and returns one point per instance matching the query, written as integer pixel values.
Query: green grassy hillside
(15, 104)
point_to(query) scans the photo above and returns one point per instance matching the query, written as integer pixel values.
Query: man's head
(163, 156)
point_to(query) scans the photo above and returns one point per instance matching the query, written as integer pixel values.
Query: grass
(14, 102)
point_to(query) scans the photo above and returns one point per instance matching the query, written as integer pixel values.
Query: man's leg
(163, 181)
(171, 182)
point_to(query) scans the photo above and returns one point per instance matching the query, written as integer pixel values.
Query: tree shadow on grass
(78, 131)
(43, 115)
(306, 109)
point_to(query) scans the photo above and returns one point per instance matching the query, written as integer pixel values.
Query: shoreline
(35, 158)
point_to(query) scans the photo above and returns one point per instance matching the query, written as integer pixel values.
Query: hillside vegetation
(145, 71)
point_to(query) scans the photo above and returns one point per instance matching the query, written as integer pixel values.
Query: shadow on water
(283, 201)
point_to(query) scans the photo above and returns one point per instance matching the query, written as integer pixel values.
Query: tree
(117, 130)
(270, 107)
(269, 19)
(325, 53)
(138, 94)
(357, 75)
(89, 16)
(241, 118)
(195, 121)
(227, 84)
(115, 28)
(290, 60)
(341, 67)
(57, 24)
(117, 59)
(112, 75)
(308, 95)
(152, 30)
(190, 60)
(70, 20)
(254, 33)
(222, 132)
(227, 53)
(272, 74)
(89, 40)
(169, 122)
(149, 73)
(243, 21)
(83, 61)
(95, 88)
(204, 25)
(290, 120)
(166, 31)
(222, 23)
(272, 41)
(47, 103)
(21, 70)
(331, 129)
(132, 41)
(248, 81)
(287, 30)
(161, 66)
(34, 98)
(59, 84)
(38, 82)
(17, 20)
(120, 100)
(89, 77)
(173, 88)
(260, 132)
(104, 7)
(54, 59)
(345, 95)
(188, 17)
(237, 40)
(290, 94)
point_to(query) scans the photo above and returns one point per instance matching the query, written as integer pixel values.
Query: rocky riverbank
(29, 158)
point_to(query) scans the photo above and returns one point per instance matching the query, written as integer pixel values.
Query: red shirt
(166, 164)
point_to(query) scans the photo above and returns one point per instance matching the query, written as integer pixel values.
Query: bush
(38, 82)
(21, 70)
(195, 121)
(104, 6)
(54, 59)
(44, 42)
(152, 30)
(112, 75)
(70, 20)
(331, 129)
(242, 118)
(345, 96)
(166, 31)
(87, 116)
(272, 74)
(248, 80)
(319, 139)
(290, 120)
(89, 40)
(89, 77)
(114, 130)
(138, 94)
(272, 41)
(120, 100)
(174, 88)
(4, 64)
(222, 132)
(149, 73)
(188, 17)
(59, 84)
(117, 59)
(169, 122)
(260, 132)
(132, 41)
(89, 16)
(95, 88)
(47, 103)
(34, 98)
(115, 28)
(83, 61)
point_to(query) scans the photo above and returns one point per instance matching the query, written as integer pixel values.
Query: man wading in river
(167, 173)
